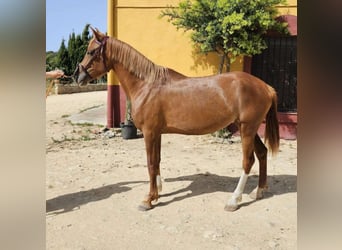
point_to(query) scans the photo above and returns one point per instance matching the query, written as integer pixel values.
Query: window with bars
(277, 66)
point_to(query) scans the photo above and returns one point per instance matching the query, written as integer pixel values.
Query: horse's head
(93, 64)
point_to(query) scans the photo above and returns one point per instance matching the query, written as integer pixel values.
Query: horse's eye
(91, 53)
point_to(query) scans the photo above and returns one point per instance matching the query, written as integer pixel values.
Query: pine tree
(72, 49)
(67, 58)
(85, 35)
(63, 59)
(80, 49)
(83, 42)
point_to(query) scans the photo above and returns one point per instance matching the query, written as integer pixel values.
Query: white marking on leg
(159, 183)
(232, 203)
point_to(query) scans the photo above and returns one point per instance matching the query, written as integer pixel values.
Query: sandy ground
(94, 185)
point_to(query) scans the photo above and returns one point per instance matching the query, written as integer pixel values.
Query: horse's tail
(272, 125)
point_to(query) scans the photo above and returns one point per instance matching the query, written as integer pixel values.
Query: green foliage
(228, 27)
(51, 61)
(63, 58)
(67, 57)
(85, 38)
(77, 46)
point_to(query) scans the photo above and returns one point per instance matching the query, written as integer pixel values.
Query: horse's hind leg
(261, 153)
(247, 138)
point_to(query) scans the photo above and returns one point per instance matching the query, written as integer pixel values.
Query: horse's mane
(136, 63)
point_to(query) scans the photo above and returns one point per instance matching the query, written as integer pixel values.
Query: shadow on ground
(68, 202)
(210, 183)
(200, 184)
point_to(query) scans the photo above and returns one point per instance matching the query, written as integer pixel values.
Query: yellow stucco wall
(289, 9)
(137, 22)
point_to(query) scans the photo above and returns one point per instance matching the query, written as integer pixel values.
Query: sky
(66, 16)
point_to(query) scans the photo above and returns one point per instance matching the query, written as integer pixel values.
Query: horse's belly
(200, 110)
(198, 122)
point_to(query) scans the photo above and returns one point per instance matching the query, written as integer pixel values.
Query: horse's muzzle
(80, 75)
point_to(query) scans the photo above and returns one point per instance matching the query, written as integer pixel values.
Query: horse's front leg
(159, 181)
(152, 143)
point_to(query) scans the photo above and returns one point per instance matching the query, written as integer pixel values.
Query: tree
(68, 57)
(72, 49)
(51, 61)
(63, 59)
(85, 37)
(230, 28)
(77, 45)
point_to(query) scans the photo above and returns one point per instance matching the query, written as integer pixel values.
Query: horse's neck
(130, 83)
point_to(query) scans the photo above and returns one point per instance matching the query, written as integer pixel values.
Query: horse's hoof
(232, 204)
(257, 193)
(230, 208)
(144, 206)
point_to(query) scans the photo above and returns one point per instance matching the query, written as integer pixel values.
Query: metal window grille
(277, 66)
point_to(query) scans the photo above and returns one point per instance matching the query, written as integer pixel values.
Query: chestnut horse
(165, 101)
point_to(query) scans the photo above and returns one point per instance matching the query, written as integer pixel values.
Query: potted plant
(128, 129)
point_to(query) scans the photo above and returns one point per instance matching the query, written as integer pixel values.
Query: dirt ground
(94, 185)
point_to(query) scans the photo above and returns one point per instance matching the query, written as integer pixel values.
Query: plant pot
(128, 130)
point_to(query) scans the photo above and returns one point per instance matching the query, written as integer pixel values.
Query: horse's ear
(97, 34)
